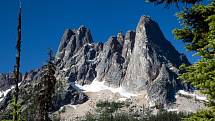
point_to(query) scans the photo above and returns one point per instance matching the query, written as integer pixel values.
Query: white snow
(97, 86)
(19, 83)
(73, 106)
(65, 69)
(91, 61)
(151, 104)
(122, 99)
(61, 108)
(66, 53)
(90, 44)
(196, 96)
(66, 78)
(172, 110)
(4, 93)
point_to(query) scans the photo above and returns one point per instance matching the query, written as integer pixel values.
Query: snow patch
(196, 96)
(152, 104)
(73, 106)
(122, 99)
(19, 83)
(90, 44)
(67, 52)
(62, 109)
(172, 110)
(65, 69)
(97, 86)
(4, 93)
(90, 61)
(66, 78)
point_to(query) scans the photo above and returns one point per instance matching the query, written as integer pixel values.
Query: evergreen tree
(16, 112)
(198, 34)
(46, 92)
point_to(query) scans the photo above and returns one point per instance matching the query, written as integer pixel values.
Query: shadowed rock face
(141, 60)
(6, 80)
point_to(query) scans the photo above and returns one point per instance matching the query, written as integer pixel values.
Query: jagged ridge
(139, 61)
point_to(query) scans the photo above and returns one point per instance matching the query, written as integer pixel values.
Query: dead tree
(17, 66)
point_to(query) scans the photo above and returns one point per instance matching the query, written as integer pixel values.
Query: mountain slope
(141, 62)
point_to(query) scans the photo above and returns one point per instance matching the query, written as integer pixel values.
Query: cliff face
(153, 64)
(137, 61)
(74, 56)
(6, 80)
(141, 60)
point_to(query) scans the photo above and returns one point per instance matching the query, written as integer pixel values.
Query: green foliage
(16, 112)
(106, 111)
(89, 117)
(107, 117)
(109, 107)
(47, 84)
(120, 116)
(198, 34)
(202, 76)
(167, 116)
(9, 114)
(204, 115)
(116, 115)
(198, 29)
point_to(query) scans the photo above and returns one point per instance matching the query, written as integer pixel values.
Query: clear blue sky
(44, 22)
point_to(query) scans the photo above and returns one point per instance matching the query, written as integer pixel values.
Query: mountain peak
(135, 61)
(72, 41)
(141, 62)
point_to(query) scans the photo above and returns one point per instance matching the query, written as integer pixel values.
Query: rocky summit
(138, 62)
(141, 60)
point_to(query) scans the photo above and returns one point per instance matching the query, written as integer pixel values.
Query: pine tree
(198, 34)
(46, 92)
(16, 112)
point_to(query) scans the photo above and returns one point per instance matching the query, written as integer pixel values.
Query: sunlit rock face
(153, 64)
(75, 56)
(137, 61)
